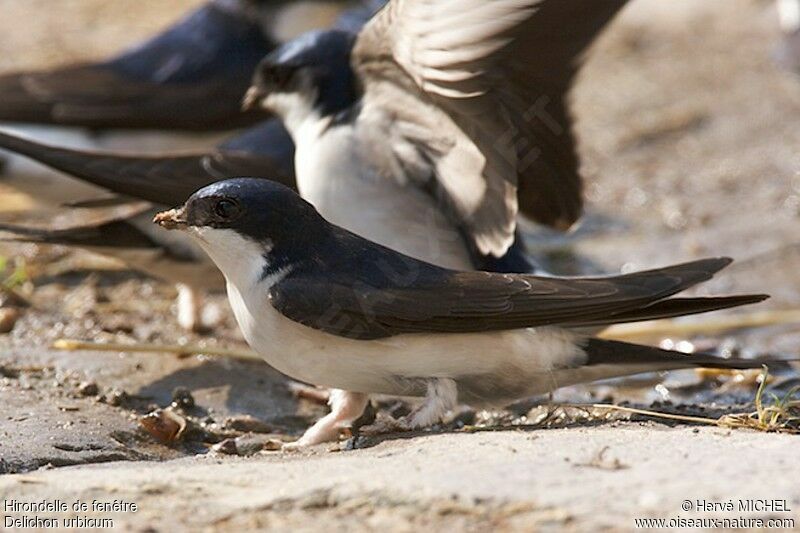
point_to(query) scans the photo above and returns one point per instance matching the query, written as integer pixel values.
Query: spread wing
(440, 301)
(491, 79)
(264, 151)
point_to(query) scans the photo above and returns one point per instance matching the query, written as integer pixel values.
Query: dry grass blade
(180, 350)
(782, 415)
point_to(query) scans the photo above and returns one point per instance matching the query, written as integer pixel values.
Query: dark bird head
(248, 224)
(310, 74)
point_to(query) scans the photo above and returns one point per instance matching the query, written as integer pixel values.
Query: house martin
(327, 307)
(190, 77)
(454, 120)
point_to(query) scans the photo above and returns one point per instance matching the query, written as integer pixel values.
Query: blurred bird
(190, 77)
(460, 121)
(327, 307)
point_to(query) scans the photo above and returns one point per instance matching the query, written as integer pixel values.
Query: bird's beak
(252, 98)
(172, 219)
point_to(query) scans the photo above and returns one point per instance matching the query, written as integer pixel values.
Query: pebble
(8, 318)
(117, 397)
(226, 447)
(182, 398)
(88, 388)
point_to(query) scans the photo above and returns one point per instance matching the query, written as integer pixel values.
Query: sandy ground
(689, 140)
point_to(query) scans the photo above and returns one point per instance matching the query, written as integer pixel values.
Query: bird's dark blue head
(232, 216)
(316, 63)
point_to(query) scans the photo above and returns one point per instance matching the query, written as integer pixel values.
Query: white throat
(298, 113)
(241, 260)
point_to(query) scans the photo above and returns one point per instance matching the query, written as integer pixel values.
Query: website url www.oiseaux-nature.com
(714, 523)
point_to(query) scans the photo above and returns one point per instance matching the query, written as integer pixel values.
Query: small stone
(8, 318)
(182, 398)
(117, 397)
(226, 447)
(88, 388)
(247, 445)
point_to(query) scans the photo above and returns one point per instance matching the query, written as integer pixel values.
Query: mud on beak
(252, 98)
(172, 219)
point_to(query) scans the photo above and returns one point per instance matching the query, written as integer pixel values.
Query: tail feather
(623, 354)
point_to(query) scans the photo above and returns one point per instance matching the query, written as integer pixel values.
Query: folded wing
(421, 299)
(191, 77)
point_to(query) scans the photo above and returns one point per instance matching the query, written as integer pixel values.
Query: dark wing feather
(168, 179)
(617, 353)
(675, 307)
(190, 77)
(425, 299)
(107, 236)
(108, 226)
(85, 216)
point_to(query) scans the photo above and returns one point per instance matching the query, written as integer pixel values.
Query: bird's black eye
(278, 75)
(226, 209)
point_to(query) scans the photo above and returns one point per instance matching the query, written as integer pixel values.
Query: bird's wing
(168, 179)
(101, 224)
(190, 77)
(417, 299)
(491, 80)
(81, 216)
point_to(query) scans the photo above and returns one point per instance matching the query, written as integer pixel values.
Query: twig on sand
(664, 328)
(647, 412)
(180, 350)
